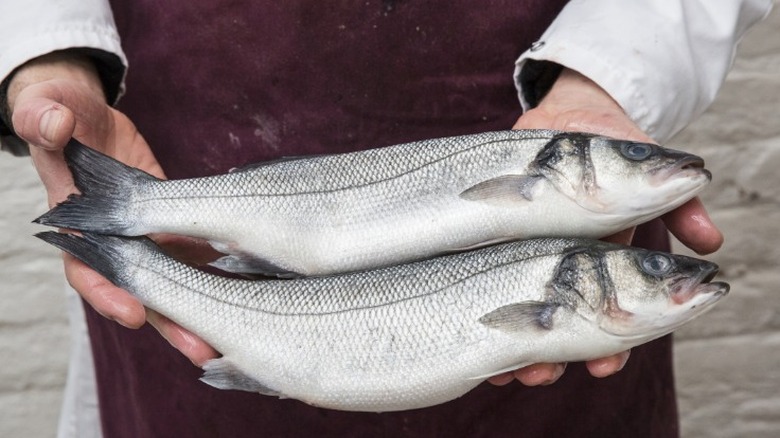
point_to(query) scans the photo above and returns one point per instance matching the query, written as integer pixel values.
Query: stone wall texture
(727, 363)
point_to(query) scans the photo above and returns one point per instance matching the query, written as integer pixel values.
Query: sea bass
(418, 334)
(346, 212)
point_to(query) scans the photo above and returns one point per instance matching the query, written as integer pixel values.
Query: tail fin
(108, 255)
(105, 185)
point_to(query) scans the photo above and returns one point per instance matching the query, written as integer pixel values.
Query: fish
(417, 334)
(329, 214)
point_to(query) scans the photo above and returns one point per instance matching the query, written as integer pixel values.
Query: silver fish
(347, 212)
(413, 335)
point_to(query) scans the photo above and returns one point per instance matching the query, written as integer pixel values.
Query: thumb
(44, 123)
(49, 113)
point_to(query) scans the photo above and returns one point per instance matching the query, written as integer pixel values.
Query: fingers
(59, 97)
(502, 379)
(692, 226)
(54, 174)
(48, 114)
(622, 237)
(189, 250)
(107, 299)
(118, 305)
(608, 366)
(540, 374)
(549, 373)
(185, 341)
(44, 122)
(48, 124)
(532, 375)
(689, 223)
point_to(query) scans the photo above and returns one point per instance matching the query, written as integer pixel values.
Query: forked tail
(108, 255)
(106, 185)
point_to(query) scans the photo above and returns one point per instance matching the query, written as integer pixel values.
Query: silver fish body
(347, 212)
(418, 334)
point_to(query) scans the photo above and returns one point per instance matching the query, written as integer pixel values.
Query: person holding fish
(214, 86)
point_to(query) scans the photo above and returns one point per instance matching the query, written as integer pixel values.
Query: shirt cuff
(101, 44)
(663, 61)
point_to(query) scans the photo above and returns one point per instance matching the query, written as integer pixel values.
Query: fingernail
(49, 124)
(502, 379)
(559, 370)
(127, 316)
(122, 322)
(113, 318)
(117, 318)
(611, 365)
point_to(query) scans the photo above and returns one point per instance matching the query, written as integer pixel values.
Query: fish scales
(361, 290)
(358, 183)
(376, 324)
(411, 335)
(373, 319)
(349, 171)
(339, 213)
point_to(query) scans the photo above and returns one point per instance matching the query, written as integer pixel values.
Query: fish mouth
(716, 288)
(686, 166)
(686, 289)
(691, 162)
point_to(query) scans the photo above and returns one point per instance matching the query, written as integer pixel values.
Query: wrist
(574, 91)
(575, 103)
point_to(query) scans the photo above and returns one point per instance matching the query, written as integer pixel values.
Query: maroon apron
(217, 84)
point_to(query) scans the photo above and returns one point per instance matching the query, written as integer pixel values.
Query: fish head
(627, 181)
(648, 294)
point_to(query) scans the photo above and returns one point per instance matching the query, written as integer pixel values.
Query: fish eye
(636, 151)
(657, 264)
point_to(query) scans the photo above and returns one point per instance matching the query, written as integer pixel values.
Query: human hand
(59, 96)
(576, 103)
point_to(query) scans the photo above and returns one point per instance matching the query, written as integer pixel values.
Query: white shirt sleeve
(663, 61)
(32, 28)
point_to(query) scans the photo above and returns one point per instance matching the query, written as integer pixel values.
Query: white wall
(728, 362)
(33, 325)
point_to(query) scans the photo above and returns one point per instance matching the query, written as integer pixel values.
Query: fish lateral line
(94, 239)
(399, 175)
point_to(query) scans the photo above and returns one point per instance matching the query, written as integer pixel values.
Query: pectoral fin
(506, 188)
(501, 371)
(490, 242)
(222, 374)
(240, 264)
(521, 316)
